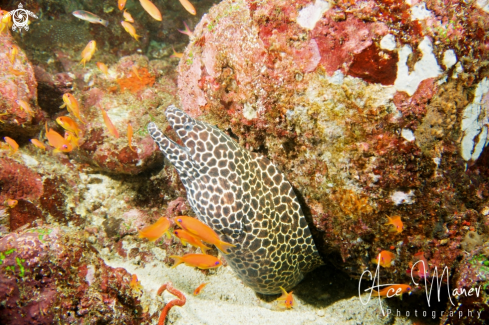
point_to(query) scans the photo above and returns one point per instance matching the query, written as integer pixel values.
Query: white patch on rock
(425, 68)
(90, 277)
(474, 120)
(483, 4)
(419, 12)
(248, 112)
(449, 59)
(408, 135)
(399, 197)
(388, 42)
(311, 14)
(336, 78)
(29, 161)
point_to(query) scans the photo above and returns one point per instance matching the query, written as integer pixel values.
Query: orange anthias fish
(186, 31)
(203, 232)
(188, 6)
(156, 230)
(199, 289)
(129, 136)
(127, 17)
(72, 138)
(135, 284)
(12, 203)
(26, 107)
(57, 141)
(121, 4)
(286, 300)
(384, 258)
(13, 53)
(187, 238)
(135, 71)
(102, 67)
(87, 53)
(69, 125)
(422, 268)
(393, 290)
(396, 222)
(176, 54)
(71, 105)
(38, 144)
(14, 147)
(202, 261)
(109, 125)
(151, 9)
(15, 72)
(130, 29)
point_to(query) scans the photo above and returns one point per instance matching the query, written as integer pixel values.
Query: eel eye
(188, 127)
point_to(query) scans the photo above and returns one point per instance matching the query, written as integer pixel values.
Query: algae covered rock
(369, 110)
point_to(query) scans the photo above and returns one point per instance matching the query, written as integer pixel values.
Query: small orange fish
(151, 9)
(69, 125)
(87, 53)
(186, 237)
(186, 31)
(203, 232)
(13, 53)
(396, 222)
(26, 107)
(385, 258)
(202, 261)
(12, 203)
(393, 290)
(135, 71)
(135, 284)
(38, 144)
(71, 105)
(188, 6)
(199, 289)
(14, 147)
(15, 72)
(102, 67)
(121, 4)
(286, 300)
(109, 125)
(57, 141)
(422, 268)
(176, 54)
(127, 17)
(129, 136)
(130, 29)
(156, 230)
(72, 138)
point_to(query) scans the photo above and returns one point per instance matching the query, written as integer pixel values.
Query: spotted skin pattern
(245, 199)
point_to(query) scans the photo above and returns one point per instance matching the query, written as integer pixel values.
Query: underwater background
(353, 132)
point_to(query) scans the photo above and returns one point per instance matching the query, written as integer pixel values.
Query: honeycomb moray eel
(245, 199)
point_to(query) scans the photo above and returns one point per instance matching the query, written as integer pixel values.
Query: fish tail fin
(204, 248)
(178, 260)
(223, 246)
(168, 234)
(136, 36)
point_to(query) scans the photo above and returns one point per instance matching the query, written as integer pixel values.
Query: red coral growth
(134, 84)
(18, 182)
(338, 40)
(23, 213)
(175, 302)
(375, 66)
